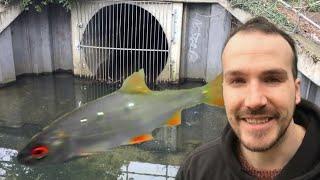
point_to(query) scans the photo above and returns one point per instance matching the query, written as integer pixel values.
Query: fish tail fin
(212, 92)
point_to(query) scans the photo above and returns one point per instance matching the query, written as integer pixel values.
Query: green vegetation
(39, 4)
(264, 8)
(306, 5)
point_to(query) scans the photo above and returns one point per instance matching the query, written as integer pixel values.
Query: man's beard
(268, 112)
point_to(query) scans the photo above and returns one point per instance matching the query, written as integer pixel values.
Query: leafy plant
(264, 8)
(40, 4)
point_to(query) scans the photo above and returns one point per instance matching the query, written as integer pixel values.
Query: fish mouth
(24, 158)
(27, 159)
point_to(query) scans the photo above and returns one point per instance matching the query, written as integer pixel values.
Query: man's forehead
(256, 42)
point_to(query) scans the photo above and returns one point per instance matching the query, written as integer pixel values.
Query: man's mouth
(257, 120)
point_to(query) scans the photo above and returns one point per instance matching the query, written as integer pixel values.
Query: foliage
(264, 8)
(306, 5)
(39, 4)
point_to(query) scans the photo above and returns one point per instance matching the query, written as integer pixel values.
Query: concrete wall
(31, 43)
(207, 27)
(309, 90)
(41, 42)
(60, 27)
(8, 13)
(7, 72)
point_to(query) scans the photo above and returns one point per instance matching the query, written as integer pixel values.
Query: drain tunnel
(122, 38)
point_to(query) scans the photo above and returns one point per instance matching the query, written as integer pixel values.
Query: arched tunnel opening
(121, 39)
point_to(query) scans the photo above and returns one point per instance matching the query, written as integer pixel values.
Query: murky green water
(33, 102)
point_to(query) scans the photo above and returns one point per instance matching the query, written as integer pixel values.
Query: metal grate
(119, 38)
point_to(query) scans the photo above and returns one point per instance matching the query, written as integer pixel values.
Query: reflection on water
(144, 171)
(33, 102)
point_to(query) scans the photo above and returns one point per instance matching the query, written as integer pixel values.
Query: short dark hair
(261, 24)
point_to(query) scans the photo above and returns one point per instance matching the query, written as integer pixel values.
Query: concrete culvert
(121, 39)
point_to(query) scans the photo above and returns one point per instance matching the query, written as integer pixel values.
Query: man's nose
(255, 98)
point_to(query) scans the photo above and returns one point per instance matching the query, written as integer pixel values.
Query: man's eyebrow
(234, 73)
(277, 72)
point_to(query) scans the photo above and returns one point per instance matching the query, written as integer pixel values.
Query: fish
(124, 117)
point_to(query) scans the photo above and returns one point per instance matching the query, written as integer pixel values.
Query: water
(32, 103)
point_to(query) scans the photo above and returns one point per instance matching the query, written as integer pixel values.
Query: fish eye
(39, 152)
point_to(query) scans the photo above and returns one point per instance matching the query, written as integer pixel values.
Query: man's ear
(298, 90)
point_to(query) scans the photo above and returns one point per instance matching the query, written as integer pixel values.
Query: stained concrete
(60, 27)
(207, 27)
(309, 90)
(220, 26)
(7, 71)
(42, 41)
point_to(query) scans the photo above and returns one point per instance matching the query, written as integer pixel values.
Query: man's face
(259, 90)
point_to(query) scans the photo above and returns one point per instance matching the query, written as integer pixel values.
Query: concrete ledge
(8, 14)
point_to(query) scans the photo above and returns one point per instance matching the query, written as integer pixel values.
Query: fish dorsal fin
(135, 84)
(175, 120)
(213, 92)
(141, 138)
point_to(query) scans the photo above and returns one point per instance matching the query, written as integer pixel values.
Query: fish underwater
(126, 116)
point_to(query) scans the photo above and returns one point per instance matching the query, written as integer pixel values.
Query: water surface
(32, 102)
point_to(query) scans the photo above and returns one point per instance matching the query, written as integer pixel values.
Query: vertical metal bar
(120, 42)
(131, 37)
(85, 34)
(154, 45)
(135, 37)
(80, 38)
(113, 42)
(78, 26)
(91, 42)
(95, 57)
(98, 73)
(123, 39)
(86, 31)
(127, 38)
(169, 40)
(109, 42)
(147, 46)
(86, 50)
(101, 70)
(150, 45)
(161, 39)
(117, 31)
(123, 34)
(158, 39)
(139, 38)
(143, 22)
(104, 41)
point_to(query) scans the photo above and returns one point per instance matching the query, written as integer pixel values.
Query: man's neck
(279, 155)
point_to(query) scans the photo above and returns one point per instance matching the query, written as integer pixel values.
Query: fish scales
(116, 119)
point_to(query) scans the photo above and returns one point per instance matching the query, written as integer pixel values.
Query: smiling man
(272, 133)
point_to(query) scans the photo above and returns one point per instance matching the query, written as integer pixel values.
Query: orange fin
(175, 120)
(140, 139)
(213, 92)
(135, 84)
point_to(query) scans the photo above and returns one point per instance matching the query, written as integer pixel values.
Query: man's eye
(272, 80)
(238, 81)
